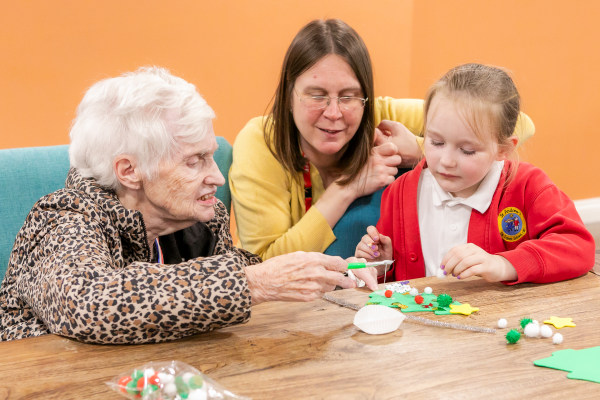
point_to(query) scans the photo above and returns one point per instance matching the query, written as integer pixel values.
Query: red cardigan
(530, 222)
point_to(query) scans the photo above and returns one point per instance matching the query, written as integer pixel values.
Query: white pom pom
(440, 273)
(165, 378)
(428, 290)
(170, 389)
(557, 338)
(198, 394)
(187, 376)
(502, 323)
(545, 331)
(532, 330)
(414, 291)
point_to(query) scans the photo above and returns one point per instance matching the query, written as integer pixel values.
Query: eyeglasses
(345, 103)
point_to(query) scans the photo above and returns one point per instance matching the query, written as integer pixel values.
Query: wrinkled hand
(468, 260)
(296, 276)
(405, 141)
(368, 275)
(379, 172)
(375, 247)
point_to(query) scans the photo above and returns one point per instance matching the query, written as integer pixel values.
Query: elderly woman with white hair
(136, 248)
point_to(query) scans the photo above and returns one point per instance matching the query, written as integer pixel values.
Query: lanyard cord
(307, 186)
(159, 253)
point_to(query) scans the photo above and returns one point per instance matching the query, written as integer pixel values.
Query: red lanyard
(307, 186)
(159, 253)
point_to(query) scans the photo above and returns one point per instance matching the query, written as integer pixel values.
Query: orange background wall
(52, 51)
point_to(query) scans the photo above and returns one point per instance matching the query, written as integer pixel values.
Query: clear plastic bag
(172, 380)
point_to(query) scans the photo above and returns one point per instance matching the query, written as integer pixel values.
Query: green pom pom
(182, 389)
(444, 300)
(137, 374)
(523, 322)
(196, 382)
(131, 387)
(148, 390)
(513, 336)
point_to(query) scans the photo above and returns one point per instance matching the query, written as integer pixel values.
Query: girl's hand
(374, 246)
(368, 275)
(467, 260)
(405, 141)
(379, 172)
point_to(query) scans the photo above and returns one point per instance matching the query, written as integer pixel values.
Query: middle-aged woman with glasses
(296, 171)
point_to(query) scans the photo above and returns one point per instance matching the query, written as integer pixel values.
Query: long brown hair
(316, 40)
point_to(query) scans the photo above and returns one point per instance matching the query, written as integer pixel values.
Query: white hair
(141, 114)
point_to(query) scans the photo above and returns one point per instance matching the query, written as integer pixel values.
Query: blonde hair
(488, 96)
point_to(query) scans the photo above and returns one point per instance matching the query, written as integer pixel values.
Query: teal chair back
(31, 172)
(27, 174)
(223, 158)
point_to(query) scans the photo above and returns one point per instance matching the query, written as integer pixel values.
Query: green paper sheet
(406, 302)
(581, 364)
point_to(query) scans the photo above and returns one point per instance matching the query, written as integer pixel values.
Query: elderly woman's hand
(405, 141)
(367, 275)
(296, 276)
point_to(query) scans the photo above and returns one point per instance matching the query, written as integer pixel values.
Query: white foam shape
(359, 282)
(377, 319)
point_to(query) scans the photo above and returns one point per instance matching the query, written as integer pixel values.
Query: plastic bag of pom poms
(172, 380)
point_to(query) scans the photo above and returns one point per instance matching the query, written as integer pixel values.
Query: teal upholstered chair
(27, 174)
(350, 229)
(32, 172)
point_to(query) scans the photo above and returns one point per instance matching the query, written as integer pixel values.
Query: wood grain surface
(312, 350)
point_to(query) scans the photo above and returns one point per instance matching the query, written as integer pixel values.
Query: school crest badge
(511, 224)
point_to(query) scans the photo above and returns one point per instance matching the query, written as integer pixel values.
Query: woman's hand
(405, 141)
(374, 246)
(368, 275)
(379, 172)
(296, 276)
(467, 260)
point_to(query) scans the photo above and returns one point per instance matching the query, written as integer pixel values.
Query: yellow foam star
(559, 322)
(465, 309)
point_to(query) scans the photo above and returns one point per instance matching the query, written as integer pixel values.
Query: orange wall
(52, 51)
(551, 47)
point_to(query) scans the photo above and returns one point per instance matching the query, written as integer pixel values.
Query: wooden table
(312, 350)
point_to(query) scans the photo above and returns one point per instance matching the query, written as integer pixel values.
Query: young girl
(469, 208)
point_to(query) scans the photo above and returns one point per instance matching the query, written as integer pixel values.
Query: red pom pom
(388, 293)
(123, 383)
(141, 383)
(154, 380)
(419, 299)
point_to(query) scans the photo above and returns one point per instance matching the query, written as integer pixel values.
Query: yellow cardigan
(269, 203)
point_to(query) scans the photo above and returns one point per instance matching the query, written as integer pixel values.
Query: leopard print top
(80, 267)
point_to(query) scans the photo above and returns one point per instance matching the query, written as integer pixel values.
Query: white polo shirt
(444, 219)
